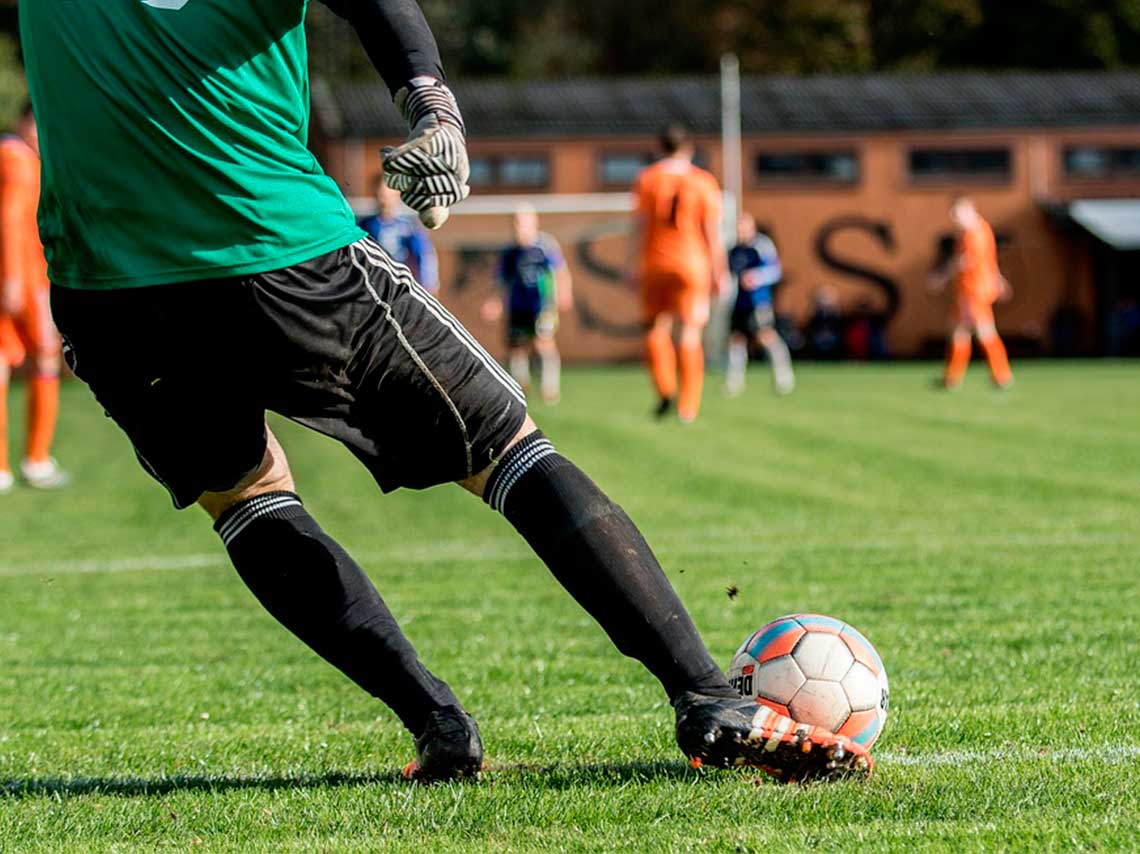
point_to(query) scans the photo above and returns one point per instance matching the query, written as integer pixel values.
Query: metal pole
(731, 139)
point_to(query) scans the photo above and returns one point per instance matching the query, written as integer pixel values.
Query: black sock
(596, 552)
(313, 588)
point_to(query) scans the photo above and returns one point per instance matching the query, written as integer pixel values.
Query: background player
(402, 236)
(755, 265)
(536, 285)
(678, 263)
(26, 329)
(321, 325)
(978, 284)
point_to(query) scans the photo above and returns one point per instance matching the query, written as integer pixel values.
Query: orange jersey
(978, 278)
(21, 253)
(676, 201)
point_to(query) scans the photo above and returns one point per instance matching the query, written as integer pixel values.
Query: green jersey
(173, 135)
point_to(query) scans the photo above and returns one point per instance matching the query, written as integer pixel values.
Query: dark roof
(607, 107)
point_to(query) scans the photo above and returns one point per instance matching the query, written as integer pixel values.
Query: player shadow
(151, 787)
(554, 776)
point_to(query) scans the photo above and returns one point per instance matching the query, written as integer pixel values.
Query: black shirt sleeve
(396, 37)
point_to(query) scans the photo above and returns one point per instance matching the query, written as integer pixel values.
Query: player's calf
(596, 552)
(316, 590)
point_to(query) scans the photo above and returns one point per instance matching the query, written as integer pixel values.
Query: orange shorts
(681, 295)
(30, 332)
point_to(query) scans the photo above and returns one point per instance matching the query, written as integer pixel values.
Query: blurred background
(860, 121)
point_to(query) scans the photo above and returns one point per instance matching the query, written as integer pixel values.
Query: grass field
(988, 544)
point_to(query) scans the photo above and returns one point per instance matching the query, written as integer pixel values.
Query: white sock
(737, 365)
(551, 364)
(781, 359)
(520, 368)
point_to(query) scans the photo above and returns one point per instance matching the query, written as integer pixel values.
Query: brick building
(852, 176)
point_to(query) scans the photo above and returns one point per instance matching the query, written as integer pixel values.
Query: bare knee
(477, 484)
(691, 334)
(48, 364)
(273, 475)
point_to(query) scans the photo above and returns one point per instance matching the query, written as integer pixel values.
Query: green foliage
(559, 37)
(985, 543)
(13, 89)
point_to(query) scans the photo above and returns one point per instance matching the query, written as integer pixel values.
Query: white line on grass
(1107, 754)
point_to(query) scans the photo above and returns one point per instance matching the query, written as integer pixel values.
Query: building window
(620, 168)
(831, 167)
(960, 163)
(1094, 161)
(482, 172)
(525, 171)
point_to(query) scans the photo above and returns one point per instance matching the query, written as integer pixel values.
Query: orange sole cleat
(726, 732)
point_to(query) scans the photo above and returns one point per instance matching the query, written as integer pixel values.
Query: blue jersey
(527, 275)
(756, 268)
(406, 241)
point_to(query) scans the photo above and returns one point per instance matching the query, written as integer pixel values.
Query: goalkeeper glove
(430, 170)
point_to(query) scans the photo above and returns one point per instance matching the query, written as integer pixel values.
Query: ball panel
(820, 623)
(861, 687)
(778, 680)
(775, 639)
(863, 727)
(779, 708)
(861, 648)
(823, 656)
(821, 704)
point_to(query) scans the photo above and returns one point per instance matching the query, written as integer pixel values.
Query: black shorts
(750, 322)
(522, 328)
(347, 344)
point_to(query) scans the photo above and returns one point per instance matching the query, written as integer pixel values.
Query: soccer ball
(817, 670)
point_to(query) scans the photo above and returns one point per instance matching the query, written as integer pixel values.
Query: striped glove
(430, 170)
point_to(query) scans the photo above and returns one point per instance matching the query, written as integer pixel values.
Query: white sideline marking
(1111, 754)
(130, 564)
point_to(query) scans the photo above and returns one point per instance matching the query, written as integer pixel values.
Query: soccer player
(191, 115)
(978, 284)
(536, 282)
(402, 236)
(680, 266)
(755, 265)
(26, 329)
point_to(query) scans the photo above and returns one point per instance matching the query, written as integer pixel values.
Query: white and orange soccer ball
(818, 670)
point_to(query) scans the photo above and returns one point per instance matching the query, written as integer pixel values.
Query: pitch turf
(989, 545)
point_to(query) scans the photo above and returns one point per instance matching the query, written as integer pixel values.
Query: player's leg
(42, 341)
(550, 365)
(6, 479)
(195, 416)
(597, 553)
(737, 367)
(311, 585)
(783, 376)
(993, 348)
(957, 356)
(518, 360)
(660, 354)
(694, 316)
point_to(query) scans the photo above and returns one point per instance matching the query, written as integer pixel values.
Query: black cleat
(664, 408)
(449, 749)
(726, 732)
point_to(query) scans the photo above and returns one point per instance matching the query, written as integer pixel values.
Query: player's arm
(493, 307)
(431, 169)
(563, 282)
(717, 258)
(771, 270)
(639, 228)
(11, 237)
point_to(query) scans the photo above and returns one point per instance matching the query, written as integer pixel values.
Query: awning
(1113, 221)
